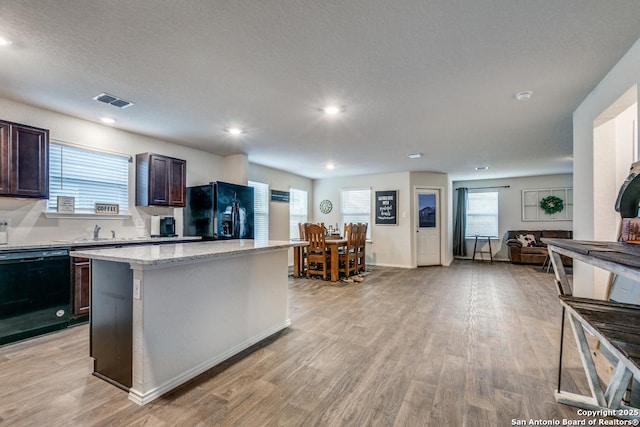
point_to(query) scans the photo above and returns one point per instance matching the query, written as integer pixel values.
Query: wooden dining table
(333, 245)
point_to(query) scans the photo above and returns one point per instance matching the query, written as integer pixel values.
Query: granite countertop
(149, 255)
(78, 243)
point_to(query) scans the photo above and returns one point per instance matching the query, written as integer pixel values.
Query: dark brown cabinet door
(24, 161)
(81, 275)
(160, 180)
(5, 143)
(177, 182)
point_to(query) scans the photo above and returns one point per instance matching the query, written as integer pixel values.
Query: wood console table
(615, 325)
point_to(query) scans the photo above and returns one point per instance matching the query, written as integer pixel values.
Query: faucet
(113, 234)
(96, 232)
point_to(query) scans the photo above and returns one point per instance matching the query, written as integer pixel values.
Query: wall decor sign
(66, 204)
(279, 196)
(387, 207)
(107, 208)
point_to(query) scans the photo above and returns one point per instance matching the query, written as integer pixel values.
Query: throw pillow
(527, 240)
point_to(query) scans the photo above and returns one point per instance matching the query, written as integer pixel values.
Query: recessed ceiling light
(414, 155)
(482, 168)
(5, 41)
(107, 120)
(525, 95)
(330, 166)
(235, 131)
(332, 110)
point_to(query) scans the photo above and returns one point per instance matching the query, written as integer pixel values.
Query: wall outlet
(6, 220)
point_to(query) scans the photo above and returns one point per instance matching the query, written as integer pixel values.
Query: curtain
(460, 223)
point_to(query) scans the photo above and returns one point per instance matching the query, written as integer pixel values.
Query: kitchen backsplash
(27, 223)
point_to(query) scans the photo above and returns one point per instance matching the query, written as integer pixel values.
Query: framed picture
(387, 207)
(66, 204)
(107, 208)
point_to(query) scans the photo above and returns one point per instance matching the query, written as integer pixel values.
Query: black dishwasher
(35, 295)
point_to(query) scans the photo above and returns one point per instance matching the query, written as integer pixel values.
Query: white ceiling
(430, 76)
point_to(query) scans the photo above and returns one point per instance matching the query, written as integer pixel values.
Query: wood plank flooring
(473, 344)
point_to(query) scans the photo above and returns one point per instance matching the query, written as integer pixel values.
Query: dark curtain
(460, 224)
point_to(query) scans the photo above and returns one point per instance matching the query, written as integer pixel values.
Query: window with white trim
(260, 210)
(355, 206)
(482, 214)
(297, 211)
(89, 176)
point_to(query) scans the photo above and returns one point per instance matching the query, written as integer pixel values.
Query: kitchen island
(162, 315)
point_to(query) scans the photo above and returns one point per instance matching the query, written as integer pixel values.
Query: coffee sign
(387, 207)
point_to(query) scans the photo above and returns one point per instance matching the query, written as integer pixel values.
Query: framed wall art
(387, 207)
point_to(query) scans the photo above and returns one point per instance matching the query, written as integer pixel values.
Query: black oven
(34, 293)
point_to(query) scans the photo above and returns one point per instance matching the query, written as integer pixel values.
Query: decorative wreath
(551, 205)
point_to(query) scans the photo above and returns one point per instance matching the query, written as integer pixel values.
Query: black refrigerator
(219, 210)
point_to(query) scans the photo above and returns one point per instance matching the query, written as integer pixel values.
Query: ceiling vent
(113, 100)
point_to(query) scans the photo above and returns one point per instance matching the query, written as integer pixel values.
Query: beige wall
(27, 223)
(510, 206)
(623, 77)
(390, 245)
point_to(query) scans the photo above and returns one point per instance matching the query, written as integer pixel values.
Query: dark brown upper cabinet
(24, 161)
(160, 180)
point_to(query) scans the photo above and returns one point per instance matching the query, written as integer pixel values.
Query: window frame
(258, 213)
(471, 234)
(356, 214)
(294, 220)
(78, 151)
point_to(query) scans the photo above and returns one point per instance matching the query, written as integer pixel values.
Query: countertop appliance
(219, 210)
(168, 226)
(35, 293)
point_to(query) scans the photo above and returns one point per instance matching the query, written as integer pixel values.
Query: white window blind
(260, 210)
(482, 213)
(355, 206)
(89, 176)
(297, 211)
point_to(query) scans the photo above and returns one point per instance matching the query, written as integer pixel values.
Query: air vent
(113, 100)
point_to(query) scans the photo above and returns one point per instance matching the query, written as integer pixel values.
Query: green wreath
(551, 205)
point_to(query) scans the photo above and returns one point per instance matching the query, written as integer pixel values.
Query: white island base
(187, 313)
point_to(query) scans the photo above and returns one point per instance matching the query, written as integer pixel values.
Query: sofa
(526, 247)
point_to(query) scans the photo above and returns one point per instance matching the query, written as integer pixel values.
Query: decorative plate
(325, 206)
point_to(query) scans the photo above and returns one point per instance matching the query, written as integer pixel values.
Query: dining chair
(303, 251)
(362, 240)
(347, 255)
(317, 256)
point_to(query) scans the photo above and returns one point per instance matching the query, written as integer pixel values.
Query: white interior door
(428, 227)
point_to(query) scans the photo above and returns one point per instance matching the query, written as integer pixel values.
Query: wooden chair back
(317, 256)
(361, 245)
(302, 229)
(316, 238)
(347, 257)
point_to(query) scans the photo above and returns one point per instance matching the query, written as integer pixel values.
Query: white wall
(616, 83)
(510, 207)
(27, 224)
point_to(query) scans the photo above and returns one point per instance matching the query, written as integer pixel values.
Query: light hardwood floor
(473, 344)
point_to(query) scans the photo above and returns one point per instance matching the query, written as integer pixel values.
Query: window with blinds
(297, 211)
(482, 214)
(355, 206)
(260, 210)
(89, 176)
